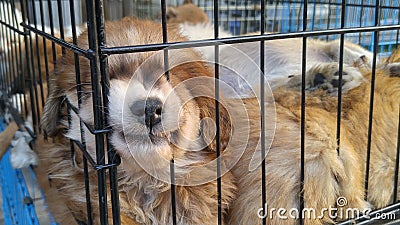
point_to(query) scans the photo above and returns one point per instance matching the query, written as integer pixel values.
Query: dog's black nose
(153, 112)
(319, 79)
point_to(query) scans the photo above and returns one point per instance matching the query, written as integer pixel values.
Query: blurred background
(243, 16)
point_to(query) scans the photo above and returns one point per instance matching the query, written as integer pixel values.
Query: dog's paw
(325, 76)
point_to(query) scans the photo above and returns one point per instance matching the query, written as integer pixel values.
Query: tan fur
(188, 12)
(283, 57)
(143, 198)
(327, 174)
(39, 69)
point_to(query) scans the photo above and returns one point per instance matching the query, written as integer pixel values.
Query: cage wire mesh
(21, 70)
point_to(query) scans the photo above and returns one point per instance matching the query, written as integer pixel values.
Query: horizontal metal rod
(70, 46)
(12, 28)
(374, 215)
(241, 39)
(91, 160)
(88, 126)
(367, 5)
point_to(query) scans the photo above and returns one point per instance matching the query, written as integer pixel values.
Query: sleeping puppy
(283, 58)
(332, 179)
(155, 117)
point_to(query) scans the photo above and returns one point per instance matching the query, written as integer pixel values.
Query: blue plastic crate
(322, 16)
(18, 205)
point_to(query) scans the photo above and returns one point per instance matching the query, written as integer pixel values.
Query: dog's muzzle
(151, 108)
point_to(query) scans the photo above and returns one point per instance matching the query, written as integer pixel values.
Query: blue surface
(14, 191)
(285, 17)
(356, 16)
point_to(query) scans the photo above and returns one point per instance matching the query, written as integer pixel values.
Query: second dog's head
(186, 13)
(154, 115)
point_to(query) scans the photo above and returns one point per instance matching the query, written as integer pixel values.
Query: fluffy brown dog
(154, 119)
(332, 179)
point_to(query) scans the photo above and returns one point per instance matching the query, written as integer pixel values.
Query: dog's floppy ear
(208, 125)
(52, 112)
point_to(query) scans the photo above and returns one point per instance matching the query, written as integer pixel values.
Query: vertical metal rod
(254, 19)
(396, 173)
(361, 20)
(79, 94)
(299, 19)
(262, 109)
(39, 66)
(371, 104)
(3, 62)
(6, 42)
(13, 72)
(97, 108)
(24, 11)
(61, 22)
(46, 61)
(105, 81)
(290, 19)
(7, 62)
(20, 68)
(166, 69)
(303, 110)
(398, 30)
(329, 18)
(227, 16)
(313, 16)
(341, 49)
(53, 46)
(246, 15)
(235, 17)
(275, 15)
(35, 97)
(19, 63)
(217, 110)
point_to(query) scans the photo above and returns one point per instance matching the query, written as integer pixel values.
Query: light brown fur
(187, 12)
(143, 198)
(328, 175)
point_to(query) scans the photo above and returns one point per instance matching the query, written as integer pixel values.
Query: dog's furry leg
(325, 76)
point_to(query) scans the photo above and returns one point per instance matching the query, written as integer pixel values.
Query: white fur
(283, 58)
(21, 154)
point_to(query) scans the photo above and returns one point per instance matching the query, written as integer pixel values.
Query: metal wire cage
(372, 24)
